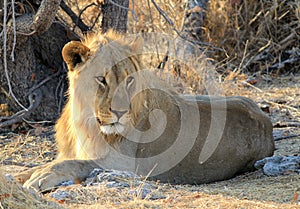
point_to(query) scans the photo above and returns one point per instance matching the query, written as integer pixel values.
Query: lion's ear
(74, 53)
(137, 45)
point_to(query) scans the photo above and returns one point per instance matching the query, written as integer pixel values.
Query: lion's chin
(115, 128)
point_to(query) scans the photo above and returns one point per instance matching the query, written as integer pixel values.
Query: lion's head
(103, 72)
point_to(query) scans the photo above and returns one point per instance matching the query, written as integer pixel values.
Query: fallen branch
(286, 124)
(34, 100)
(250, 85)
(285, 137)
(287, 61)
(283, 105)
(11, 162)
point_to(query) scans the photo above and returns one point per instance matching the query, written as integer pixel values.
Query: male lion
(121, 117)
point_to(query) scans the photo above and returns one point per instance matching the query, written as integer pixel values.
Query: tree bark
(194, 18)
(35, 71)
(115, 15)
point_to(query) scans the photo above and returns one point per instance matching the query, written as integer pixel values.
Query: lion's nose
(118, 113)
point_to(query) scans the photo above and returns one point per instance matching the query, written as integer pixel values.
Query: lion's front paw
(50, 176)
(24, 175)
(47, 178)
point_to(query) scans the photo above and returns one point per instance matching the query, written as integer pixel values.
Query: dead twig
(96, 20)
(278, 138)
(43, 82)
(10, 162)
(286, 124)
(287, 61)
(34, 100)
(83, 10)
(15, 31)
(82, 26)
(162, 64)
(250, 85)
(59, 93)
(283, 105)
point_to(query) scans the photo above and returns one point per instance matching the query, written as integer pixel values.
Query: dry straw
(13, 195)
(260, 35)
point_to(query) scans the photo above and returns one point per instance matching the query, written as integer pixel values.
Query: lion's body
(125, 118)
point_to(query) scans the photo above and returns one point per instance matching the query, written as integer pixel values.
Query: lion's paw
(47, 178)
(52, 175)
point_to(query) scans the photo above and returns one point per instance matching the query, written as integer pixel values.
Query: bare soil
(279, 98)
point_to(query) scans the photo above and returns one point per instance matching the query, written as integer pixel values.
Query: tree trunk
(115, 15)
(34, 73)
(193, 20)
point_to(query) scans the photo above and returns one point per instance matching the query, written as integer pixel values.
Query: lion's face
(113, 97)
(102, 83)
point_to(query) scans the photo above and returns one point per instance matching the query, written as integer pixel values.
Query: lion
(119, 116)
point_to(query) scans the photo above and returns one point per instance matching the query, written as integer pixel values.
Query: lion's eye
(129, 81)
(101, 80)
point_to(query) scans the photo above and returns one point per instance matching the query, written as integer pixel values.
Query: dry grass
(14, 196)
(31, 149)
(149, 19)
(181, 198)
(252, 190)
(257, 35)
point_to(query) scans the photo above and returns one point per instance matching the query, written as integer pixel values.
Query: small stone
(279, 165)
(60, 195)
